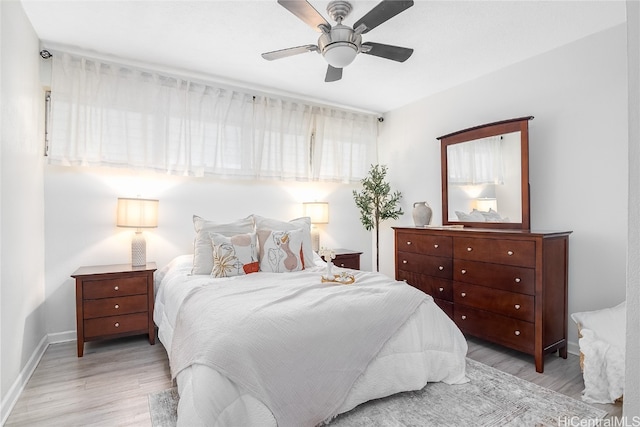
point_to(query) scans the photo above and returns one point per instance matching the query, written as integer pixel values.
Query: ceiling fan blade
(333, 74)
(283, 53)
(395, 53)
(384, 11)
(307, 13)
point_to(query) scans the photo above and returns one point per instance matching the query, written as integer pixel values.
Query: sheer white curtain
(106, 114)
(476, 162)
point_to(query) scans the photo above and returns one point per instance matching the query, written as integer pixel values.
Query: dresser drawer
(503, 330)
(434, 286)
(510, 304)
(113, 325)
(115, 306)
(509, 278)
(499, 251)
(424, 244)
(431, 265)
(135, 285)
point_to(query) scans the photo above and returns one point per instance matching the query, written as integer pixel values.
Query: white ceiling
(453, 41)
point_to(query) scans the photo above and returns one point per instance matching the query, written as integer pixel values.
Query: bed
(281, 347)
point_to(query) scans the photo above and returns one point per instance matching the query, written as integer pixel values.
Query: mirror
(485, 175)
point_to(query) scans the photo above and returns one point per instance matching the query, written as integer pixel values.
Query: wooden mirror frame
(491, 129)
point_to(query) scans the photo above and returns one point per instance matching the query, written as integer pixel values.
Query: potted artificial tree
(377, 203)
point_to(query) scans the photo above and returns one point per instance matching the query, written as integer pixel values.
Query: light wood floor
(110, 384)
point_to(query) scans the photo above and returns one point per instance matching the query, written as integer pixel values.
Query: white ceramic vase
(421, 214)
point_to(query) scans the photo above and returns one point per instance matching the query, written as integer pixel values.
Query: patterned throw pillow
(280, 251)
(235, 255)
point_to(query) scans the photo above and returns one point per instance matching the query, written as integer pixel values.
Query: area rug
(491, 398)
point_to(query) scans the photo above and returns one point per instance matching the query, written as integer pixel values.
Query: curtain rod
(201, 77)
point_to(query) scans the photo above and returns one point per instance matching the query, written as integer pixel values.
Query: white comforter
(426, 347)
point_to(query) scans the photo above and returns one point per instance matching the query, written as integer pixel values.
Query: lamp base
(315, 239)
(138, 250)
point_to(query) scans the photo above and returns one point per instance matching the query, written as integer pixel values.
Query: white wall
(578, 154)
(22, 215)
(80, 221)
(631, 406)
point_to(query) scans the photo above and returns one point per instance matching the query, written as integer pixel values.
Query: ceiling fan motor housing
(340, 45)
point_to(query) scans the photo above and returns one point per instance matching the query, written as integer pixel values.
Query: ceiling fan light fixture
(340, 54)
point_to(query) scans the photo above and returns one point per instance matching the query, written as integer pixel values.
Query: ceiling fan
(340, 44)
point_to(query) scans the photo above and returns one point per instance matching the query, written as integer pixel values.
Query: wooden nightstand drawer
(115, 325)
(115, 306)
(346, 258)
(109, 288)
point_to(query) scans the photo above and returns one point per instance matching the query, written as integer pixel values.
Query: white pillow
(608, 324)
(202, 249)
(234, 256)
(280, 251)
(303, 224)
(473, 216)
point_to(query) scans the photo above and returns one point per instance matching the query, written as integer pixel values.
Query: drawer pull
(117, 325)
(436, 246)
(517, 280)
(463, 294)
(440, 268)
(463, 271)
(404, 261)
(405, 280)
(469, 249)
(342, 265)
(115, 288)
(116, 306)
(408, 243)
(441, 289)
(517, 306)
(517, 332)
(509, 253)
(463, 317)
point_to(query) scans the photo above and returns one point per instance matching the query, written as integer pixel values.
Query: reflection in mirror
(485, 175)
(484, 179)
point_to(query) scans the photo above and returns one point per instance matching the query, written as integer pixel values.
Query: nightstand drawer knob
(117, 325)
(469, 249)
(115, 288)
(441, 268)
(517, 280)
(408, 243)
(436, 246)
(404, 261)
(342, 265)
(463, 317)
(463, 294)
(116, 306)
(517, 332)
(441, 289)
(517, 306)
(509, 253)
(463, 271)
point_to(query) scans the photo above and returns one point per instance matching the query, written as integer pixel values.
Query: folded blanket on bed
(297, 344)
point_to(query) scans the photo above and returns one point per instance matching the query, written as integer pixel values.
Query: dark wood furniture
(518, 196)
(346, 258)
(505, 286)
(114, 301)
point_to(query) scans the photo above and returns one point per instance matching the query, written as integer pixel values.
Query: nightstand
(114, 301)
(346, 258)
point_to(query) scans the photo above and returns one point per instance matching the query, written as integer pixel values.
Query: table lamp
(319, 214)
(138, 214)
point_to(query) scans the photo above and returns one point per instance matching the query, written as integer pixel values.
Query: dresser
(505, 286)
(114, 301)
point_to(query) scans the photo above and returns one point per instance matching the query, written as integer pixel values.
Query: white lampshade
(317, 211)
(138, 214)
(340, 54)
(484, 204)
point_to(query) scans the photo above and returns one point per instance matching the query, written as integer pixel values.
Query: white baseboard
(9, 401)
